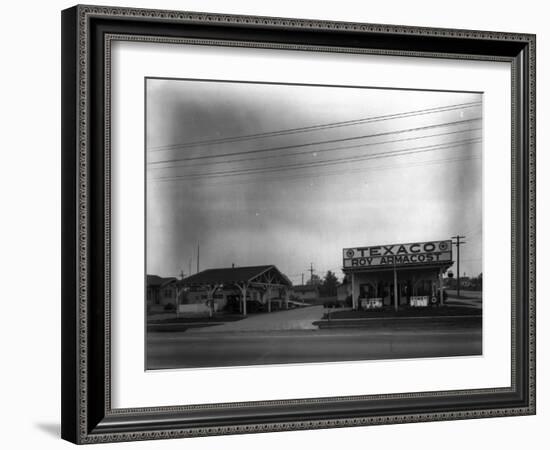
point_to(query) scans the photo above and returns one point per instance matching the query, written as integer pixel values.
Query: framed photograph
(278, 224)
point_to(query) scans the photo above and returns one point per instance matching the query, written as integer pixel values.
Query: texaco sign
(398, 254)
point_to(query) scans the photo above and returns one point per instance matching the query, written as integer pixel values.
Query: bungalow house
(305, 292)
(161, 292)
(235, 289)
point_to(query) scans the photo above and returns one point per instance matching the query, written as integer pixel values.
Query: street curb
(368, 319)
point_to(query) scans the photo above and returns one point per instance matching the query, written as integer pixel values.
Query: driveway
(292, 319)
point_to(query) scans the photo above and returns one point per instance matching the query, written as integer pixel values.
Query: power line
(402, 152)
(303, 176)
(323, 163)
(268, 134)
(308, 144)
(339, 172)
(311, 152)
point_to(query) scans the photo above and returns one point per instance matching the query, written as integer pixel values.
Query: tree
(329, 285)
(314, 281)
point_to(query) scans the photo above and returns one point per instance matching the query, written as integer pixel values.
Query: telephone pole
(311, 270)
(457, 241)
(178, 292)
(395, 288)
(198, 256)
(302, 279)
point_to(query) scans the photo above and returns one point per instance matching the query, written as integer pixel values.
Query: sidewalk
(476, 303)
(401, 323)
(405, 312)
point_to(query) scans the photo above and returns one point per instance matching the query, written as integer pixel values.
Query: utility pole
(395, 291)
(311, 270)
(458, 243)
(198, 256)
(179, 290)
(302, 279)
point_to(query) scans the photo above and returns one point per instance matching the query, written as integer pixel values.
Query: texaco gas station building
(397, 274)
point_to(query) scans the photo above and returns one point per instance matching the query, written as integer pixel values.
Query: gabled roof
(156, 281)
(234, 275)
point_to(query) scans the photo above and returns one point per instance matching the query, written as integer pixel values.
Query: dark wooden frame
(87, 416)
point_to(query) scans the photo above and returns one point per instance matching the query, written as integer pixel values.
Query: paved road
(424, 338)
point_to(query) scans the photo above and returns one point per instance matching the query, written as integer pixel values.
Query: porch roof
(267, 274)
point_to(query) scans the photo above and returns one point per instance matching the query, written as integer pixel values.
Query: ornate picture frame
(88, 415)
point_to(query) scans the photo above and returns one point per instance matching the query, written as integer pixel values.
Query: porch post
(178, 292)
(395, 300)
(287, 294)
(353, 299)
(211, 291)
(244, 300)
(441, 287)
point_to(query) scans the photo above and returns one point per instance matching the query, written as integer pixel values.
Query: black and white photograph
(296, 223)
(281, 220)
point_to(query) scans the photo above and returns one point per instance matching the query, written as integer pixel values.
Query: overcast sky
(318, 174)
